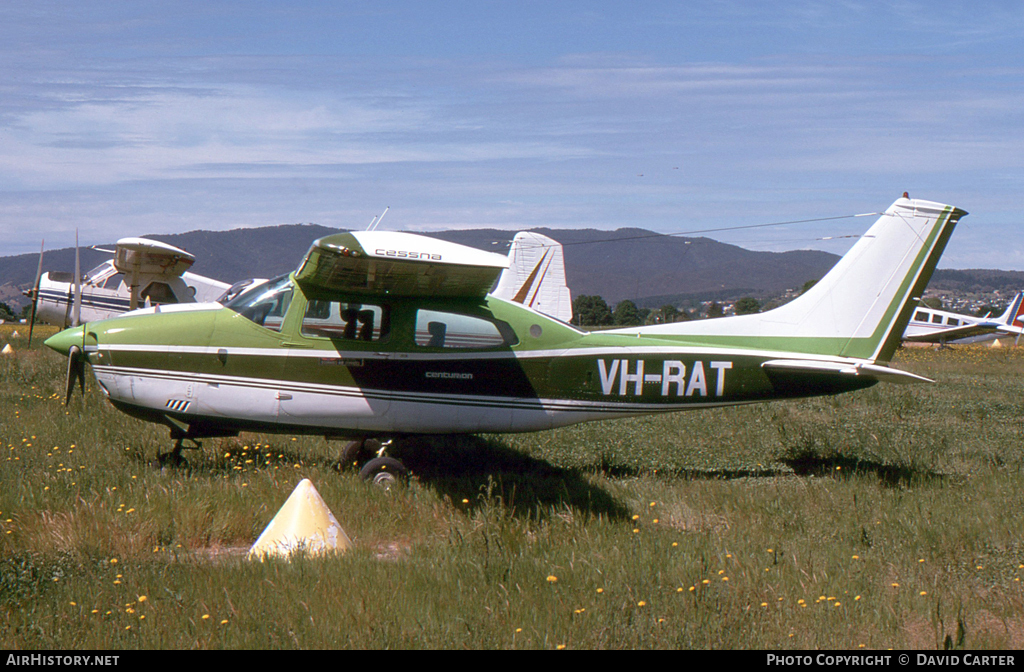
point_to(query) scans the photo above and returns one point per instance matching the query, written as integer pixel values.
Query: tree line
(594, 311)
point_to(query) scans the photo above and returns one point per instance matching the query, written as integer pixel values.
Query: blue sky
(122, 119)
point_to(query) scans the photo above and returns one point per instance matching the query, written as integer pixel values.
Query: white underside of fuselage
(323, 408)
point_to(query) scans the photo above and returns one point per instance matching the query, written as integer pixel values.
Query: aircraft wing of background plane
(929, 325)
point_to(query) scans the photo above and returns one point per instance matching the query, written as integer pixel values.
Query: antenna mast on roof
(376, 220)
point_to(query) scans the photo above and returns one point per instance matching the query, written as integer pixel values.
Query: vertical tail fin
(535, 276)
(861, 307)
(1014, 315)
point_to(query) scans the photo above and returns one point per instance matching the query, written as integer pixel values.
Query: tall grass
(885, 518)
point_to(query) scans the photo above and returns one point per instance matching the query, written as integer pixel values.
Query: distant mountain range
(649, 268)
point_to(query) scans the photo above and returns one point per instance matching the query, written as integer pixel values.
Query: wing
(950, 334)
(536, 276)
(140, 256)
(399, 264)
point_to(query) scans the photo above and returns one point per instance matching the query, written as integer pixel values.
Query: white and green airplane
(383, 335)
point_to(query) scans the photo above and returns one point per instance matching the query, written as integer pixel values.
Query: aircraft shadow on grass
(803, 463)
(468, 467)
(808, 462)
(461, 467)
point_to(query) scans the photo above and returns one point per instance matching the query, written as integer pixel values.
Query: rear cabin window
(437, 329)
(921, 316)
(952, 322)
(265, 304)
(344, 320)
(937, 319)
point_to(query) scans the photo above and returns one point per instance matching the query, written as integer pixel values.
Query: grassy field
(887, 518)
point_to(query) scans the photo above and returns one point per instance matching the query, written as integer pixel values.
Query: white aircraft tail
(535, 276)
(861, 307)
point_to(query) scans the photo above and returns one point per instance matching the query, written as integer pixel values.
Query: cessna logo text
(622, 377)
(405, 254)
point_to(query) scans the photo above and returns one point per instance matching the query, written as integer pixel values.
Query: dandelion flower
(206, 616)
(552, 578)
(641, 603)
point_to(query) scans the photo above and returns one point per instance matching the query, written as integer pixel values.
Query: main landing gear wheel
(384, 471)
(356, 452)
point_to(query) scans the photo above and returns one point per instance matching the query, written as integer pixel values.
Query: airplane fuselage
(499, 368)
(105, 294)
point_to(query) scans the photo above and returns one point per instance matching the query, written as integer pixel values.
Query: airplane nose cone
(61, 342)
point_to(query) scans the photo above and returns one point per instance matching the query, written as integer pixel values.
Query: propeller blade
(35, 294)
(76, 372)
(77, 317)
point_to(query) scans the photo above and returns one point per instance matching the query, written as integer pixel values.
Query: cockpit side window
(265, 304)
(114, 281)
(346, 320)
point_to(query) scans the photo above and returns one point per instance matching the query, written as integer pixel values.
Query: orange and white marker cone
(303, 525)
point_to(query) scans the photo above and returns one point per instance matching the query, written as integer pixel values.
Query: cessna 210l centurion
(384, 335)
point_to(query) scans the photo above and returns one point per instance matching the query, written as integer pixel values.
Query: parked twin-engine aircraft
(141, 273)
(928, 325)
(384, 335)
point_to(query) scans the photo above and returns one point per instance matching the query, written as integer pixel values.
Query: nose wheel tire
(384, 471)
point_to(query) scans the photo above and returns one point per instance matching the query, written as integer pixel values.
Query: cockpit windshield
(265, 304)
